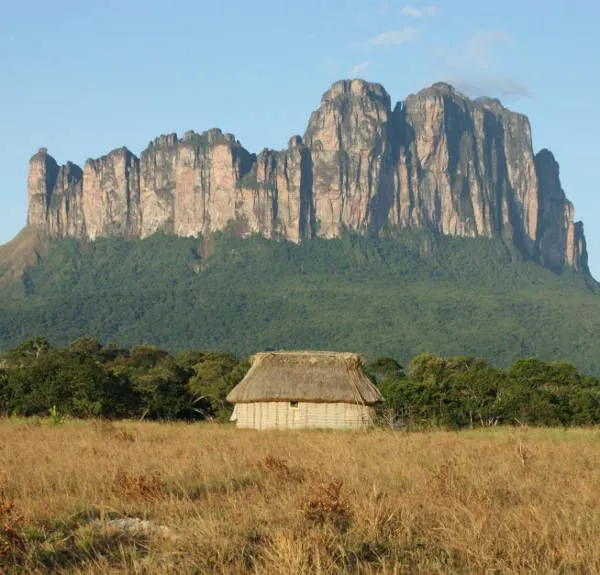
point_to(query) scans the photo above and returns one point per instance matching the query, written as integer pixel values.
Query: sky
(83, 78)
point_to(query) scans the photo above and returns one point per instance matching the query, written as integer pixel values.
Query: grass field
(127, 497)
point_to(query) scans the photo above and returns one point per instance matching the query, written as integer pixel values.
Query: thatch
(315, 376)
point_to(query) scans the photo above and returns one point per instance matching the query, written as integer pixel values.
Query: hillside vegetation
(399, 297)
(100, 498)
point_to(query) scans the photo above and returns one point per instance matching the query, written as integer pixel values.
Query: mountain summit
(437, 160)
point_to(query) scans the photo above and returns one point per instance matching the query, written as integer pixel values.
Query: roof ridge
(307, 352)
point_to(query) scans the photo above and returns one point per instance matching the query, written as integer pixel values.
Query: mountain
(427, 226)
(437, 161)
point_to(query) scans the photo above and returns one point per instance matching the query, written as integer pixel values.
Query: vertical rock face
(111, 195)
(55, 196)
(560, 239)
(158, 163)
(65, 216)
(465, 168)
(204, 182)
(209, 167)
(437, 160)
(286, 177)
(43, 171)
(197, 185)
(580, 254)
(348, 140)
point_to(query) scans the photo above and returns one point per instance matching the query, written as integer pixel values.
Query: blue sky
(82, 78)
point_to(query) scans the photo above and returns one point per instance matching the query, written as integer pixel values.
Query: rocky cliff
(437, 160)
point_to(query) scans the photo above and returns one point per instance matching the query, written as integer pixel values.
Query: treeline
(87, 379)
(465, 391)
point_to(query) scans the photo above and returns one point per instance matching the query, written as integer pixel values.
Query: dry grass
(212, 499)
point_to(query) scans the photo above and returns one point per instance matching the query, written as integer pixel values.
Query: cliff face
(560, 239)
(192, 186)
(437, 160)
(349, 144)
(55, 195)
(465, 168)
(110, 198)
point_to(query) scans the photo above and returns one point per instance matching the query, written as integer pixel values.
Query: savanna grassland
(127, 497)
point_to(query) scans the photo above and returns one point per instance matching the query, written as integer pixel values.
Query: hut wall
(281, 415)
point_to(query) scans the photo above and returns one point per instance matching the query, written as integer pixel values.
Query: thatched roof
(316, 376)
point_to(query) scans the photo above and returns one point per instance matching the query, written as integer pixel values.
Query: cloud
(477, 52)
(502, 87)
(359, 68)
(414, 12)
(393, 37)
(383, 8)
(472, 67)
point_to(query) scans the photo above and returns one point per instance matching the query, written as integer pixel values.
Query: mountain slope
(25, 250)
(416, 292)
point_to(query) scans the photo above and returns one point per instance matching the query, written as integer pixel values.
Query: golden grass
(214, 499)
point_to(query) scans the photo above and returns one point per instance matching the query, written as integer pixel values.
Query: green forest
(411, 293)
(89, 380)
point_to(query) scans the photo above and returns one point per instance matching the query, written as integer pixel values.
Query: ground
(124, 497)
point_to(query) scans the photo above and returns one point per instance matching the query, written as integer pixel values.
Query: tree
(384, 367)
(162, 389)
(214, 377)
(30, 348)
(86, 346)
(73, 383)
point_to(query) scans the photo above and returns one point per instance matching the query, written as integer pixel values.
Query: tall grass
(175, 498)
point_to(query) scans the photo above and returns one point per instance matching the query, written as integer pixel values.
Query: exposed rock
(438, 160)
(579, 258)
(465, 168)
(286, 178)
(55, 196)
(158, 163)
(348, 139)
(41, 180)
(110, 201)
(65, 210)
(560, 239)
(134, 526)
(194, 185)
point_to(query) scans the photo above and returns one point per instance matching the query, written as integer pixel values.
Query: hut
(303, 389)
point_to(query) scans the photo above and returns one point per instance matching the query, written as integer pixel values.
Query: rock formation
(437, 160)
(560, 239)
